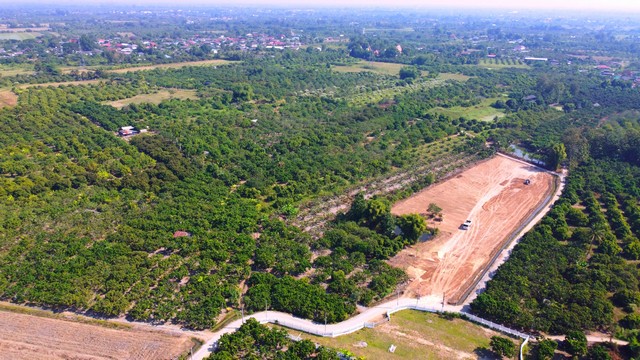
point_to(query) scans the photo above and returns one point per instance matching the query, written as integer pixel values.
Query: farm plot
(494, 196)
(25, 336)
(154, 98)
(377, 67)
(502, 63)
(172, 65)
(20, 36)
(435, 158)
(8, 98)
(483, 111)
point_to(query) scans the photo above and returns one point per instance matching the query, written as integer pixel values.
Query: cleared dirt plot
(494, 196)
(382, 68)
(31, 337)
(7, 98)
(155, 98)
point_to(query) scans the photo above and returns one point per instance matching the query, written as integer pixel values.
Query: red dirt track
(493, 195)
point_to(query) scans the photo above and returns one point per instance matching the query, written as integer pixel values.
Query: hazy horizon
(577, 5)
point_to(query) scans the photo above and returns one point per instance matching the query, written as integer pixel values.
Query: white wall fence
(479, 320)
(328, 331)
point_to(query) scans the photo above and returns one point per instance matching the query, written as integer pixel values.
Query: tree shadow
(485, 354)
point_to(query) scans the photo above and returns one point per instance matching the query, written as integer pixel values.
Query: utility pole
(266, 310)
(398, 298)
(242, 309)
(443, 302)
(325, 323)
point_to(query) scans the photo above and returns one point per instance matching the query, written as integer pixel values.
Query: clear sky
(607, 5)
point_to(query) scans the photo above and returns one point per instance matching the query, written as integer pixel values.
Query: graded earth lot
(31, 337)
(494, 197)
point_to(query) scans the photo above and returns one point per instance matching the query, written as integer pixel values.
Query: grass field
(416, 335)
(452, 76)
(375, 96)
(20, 35)
(12, 70)
(155, 98)
(482, 111)
(499, 64)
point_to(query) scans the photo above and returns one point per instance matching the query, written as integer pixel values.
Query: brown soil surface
(493, 196)
(31, 337)
(8, 98)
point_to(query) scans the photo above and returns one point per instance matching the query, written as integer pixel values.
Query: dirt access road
(25, 337)
(494, 197)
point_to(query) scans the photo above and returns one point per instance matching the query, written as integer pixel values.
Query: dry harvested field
(25, 337)
(8, 98)
(173, 65)
(155, 98)
(494, 197)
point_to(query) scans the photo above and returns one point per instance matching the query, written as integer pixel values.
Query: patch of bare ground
(8, 98)
(415, 337)
(25, 336)
(494, 197)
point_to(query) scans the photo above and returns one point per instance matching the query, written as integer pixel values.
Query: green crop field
(482, 111)
(502, 63)
(19, 35)
(155, 98)
(12, 69)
